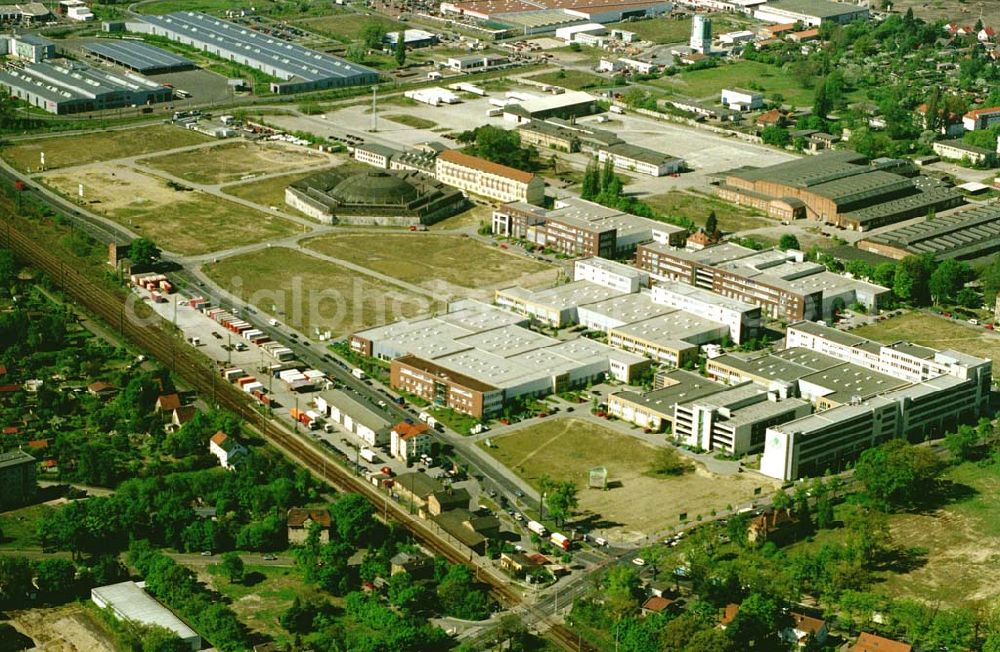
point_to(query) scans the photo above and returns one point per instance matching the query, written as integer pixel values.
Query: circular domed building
(374, 197)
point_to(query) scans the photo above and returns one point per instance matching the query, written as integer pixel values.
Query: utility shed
(129, 601)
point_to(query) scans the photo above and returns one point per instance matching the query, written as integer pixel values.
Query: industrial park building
(61, 86)
(811, 12)
(540, 16)
(571, 104)
(840, 188)
(557, 133)
(939, 390)
(301, 69)
(140, 57)
(27, 47)
(642, 160)
(577, 227)
(476, 358)
(782, 283)
(492, 180)
(963, 235)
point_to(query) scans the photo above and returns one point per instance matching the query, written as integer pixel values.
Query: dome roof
(375, 188)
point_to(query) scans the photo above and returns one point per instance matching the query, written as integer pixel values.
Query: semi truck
(559, 541)
(537, 528)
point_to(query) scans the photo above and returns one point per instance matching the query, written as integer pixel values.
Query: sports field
(98, 146)
(636, 504)
(186, 222)
(426, 259)
(938, 333)
(235, 161)
(307, 292)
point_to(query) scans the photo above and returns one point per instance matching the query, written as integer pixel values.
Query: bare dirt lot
(454, 260)
(636, 504)
(186, 222)
(69, 628)
(235, 161)
(98, 146)
(307, 292)
(959, 11)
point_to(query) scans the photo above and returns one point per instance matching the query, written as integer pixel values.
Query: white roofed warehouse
(301, 69)
(129, 601)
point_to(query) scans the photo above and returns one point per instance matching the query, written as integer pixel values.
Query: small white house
(408, 441)
(609, 65)
(739, 99)
(228, 450)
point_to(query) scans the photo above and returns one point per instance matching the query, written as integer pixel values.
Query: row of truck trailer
(558, 540)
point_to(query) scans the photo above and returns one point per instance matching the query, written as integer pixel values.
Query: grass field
(660, 30)
(260, 604)
(707, 84)
(346, 27)
(184, 222)
(234, 161)
(637, 504)
(473, 217)
(696, 207)
(938, 333)
(411, 121)
(456, 260)
(308, 292)
(960, 539)
(18, 526)
(98, 146)
(575, 80)
(266, 192)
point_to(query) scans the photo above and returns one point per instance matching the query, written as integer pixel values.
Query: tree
(143, 252)
(824, 513)
(712, 225)
(709, 640)
(885, 274)
(591, 181)
(512, 631)
(459, 596)
(622, 591)
(353, 519)
(405, 594)
(561, 500)
(896, 473)
(775, 135)
(668, 462)
(962, 443)
(55, 578)
(232, 566)
(15, 581)
(788, 241)
(373, 35)
(912, 279)
(947, 279)
(400, 52)
(8, 268)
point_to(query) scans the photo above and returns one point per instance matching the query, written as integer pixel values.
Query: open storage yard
(425, 259)
(235, 161)
(936, 332)
(186, 222)
(98, 146)
(67, 628)
(637, 504)
(308, 292)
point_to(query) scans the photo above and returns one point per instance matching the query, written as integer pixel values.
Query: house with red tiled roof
(168, 402)
(986, 34)
(775, 31)
(804, 35)
(700, 240)
(983, 118)
(101, 389)
(657, 605)
(874, 643)
(182, 414)
(10, 430)
(228, 450)
(408, 441)
(774, 117)
(728, 614)
(300, 520)
(805, 629)
(492, 180)
(38, 444)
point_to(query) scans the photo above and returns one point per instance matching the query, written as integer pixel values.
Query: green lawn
(707, 84)
(411, 121)
(346, 26)
(19, 526)
(659, 30)
(696, 207)
(575, 80)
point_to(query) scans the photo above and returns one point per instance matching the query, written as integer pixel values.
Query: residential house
(657, 605)
(873, 643)
(442, 501)
(772, 118)
(805, 629)
(959, 150)
(101, 389)
(228, 450)
(728, 615)
(986, 35)
(300, 521)
(181, 415)
(516, 563)
(416, 564)
(167, 403)
(416, 488)
(408, 441)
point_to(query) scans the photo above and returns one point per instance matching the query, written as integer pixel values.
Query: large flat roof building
(299, 68)
(554, 13)
(782, 283)
(567, 105)
(641, 160)
(140, 57)
(811, 12)
(577, 227)
(492, 180)
(966, 234)
(129, 601)
(836, 187)
(62, 86)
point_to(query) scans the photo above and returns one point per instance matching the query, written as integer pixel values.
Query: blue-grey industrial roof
(138, 56)
(292, 60)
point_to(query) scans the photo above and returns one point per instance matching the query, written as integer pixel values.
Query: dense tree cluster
(501, 146)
